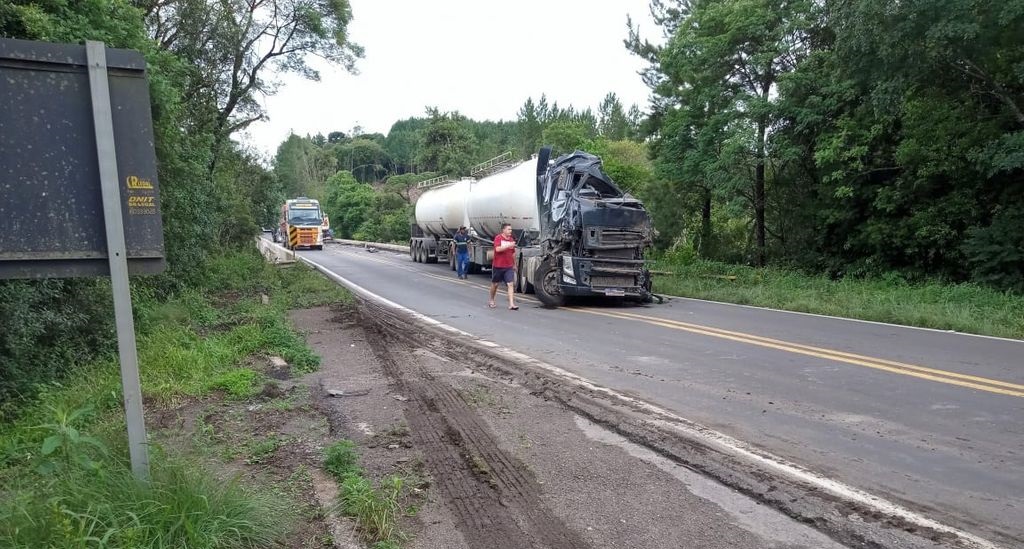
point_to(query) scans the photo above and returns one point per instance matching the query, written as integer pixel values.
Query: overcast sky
(483, 58)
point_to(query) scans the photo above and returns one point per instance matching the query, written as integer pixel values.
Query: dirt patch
(503, 464)
(274, 440)
(488, 454)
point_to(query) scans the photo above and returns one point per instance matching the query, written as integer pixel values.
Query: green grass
(240, 384)
(966, 308)
(375, 511)
(260, 450)
(182, 506)
(64, 477)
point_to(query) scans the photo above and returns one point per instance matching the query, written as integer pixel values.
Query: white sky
(483, 58)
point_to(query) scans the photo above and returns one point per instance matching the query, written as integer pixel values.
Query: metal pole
(96, 57)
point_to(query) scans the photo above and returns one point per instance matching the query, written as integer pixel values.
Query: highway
(929, 419)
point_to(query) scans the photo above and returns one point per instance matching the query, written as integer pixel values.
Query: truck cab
(592, 236)
(301, 224)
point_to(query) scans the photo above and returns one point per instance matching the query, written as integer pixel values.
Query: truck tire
(547, 289)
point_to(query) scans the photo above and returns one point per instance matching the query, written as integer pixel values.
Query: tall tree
(302, 168)
(734, 49)
(530, 128)
(233, 45)
(447, 144)
(612, 120)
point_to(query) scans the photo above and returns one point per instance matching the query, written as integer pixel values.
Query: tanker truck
(504, 193)
(579, 234)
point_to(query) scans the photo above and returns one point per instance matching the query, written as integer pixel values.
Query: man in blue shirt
(461, 252)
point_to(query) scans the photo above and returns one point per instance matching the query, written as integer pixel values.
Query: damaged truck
(591, 238)
(578, 233)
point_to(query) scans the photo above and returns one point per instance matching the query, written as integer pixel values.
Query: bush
(182, 506)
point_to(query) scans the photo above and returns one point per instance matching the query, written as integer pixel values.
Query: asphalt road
(930, 419)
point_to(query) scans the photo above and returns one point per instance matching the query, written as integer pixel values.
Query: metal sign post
(117, 255)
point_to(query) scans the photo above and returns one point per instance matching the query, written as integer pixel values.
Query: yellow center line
(941, 376)
(837, 353)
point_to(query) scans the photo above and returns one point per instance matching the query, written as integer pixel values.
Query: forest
(866, 140)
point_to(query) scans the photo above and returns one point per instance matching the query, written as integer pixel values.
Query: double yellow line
(891, 366)
(913, 370)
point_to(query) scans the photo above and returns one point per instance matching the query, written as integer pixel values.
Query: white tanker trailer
(480, 205)
(578, 234)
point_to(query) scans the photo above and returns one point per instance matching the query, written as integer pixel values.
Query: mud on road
(513, 458)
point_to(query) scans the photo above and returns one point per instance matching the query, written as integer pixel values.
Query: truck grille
(612, 281)
(603, 238)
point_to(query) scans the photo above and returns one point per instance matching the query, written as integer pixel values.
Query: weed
(375, 511)
(260, 450)
(66, 446)
(182, 506)
(239, 384)
(481, 468)
(342, 461)
(398, 430)
(480, 396)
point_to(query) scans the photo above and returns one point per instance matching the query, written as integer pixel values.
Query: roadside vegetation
(64, 471)
(375, 509)
(967, 307)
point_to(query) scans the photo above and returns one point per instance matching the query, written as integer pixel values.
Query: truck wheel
(547, 289)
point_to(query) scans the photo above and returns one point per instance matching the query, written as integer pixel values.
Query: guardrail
(365, 244)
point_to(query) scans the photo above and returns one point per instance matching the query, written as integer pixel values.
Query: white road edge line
(685, 426)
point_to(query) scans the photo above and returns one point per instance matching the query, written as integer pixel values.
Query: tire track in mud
(845, 521)
(495, 502)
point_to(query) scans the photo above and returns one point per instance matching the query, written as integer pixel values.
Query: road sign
(78, 186)
(51, 207)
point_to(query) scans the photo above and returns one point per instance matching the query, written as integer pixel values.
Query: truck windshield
(305, 216)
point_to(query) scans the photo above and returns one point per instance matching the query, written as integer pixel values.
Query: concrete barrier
(274, 253)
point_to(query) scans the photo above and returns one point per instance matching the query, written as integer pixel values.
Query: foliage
(969, 308)
(446, 144)
(303, 167)
(182, 506)
(50, 326)
(239, 384)
(349, 203)
(862, 138)
(341, 460)
(376, 511)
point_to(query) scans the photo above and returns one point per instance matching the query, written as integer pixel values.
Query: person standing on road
(503, 266)
(461, 252)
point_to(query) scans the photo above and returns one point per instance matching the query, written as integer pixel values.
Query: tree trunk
(759, 199)
(705, 226)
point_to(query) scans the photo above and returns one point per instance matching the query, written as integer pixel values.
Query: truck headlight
(567, 265)
(568, 274)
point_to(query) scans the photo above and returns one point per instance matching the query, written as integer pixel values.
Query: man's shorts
(503, 274)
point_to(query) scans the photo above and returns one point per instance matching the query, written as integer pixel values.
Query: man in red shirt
(503, 268)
